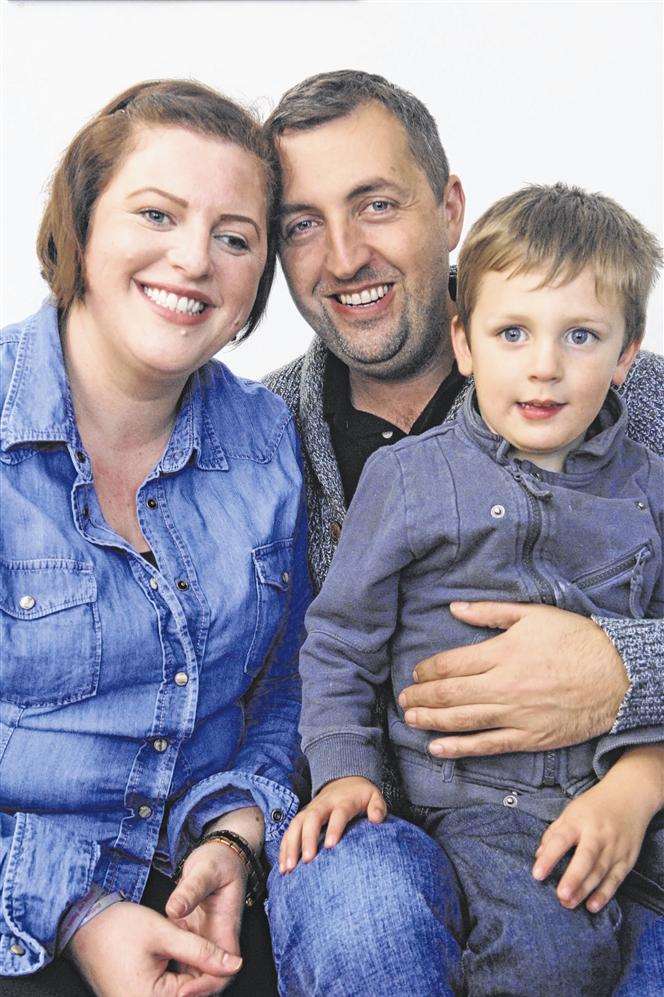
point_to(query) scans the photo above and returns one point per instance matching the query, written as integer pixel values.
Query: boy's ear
(624, 363)
(461, 348)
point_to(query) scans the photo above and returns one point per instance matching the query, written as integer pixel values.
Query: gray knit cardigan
(640, 643)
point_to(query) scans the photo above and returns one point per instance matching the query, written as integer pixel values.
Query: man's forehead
(340, 155)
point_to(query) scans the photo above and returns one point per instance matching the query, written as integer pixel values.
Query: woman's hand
(209, 902)
(336, 804)
(125, 952)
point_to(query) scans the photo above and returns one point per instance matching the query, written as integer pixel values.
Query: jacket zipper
(630, 560)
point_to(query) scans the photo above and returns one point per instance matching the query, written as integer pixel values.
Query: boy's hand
(607, 832)
(336, 804)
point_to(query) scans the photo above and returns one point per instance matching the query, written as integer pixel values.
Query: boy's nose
(546, 362)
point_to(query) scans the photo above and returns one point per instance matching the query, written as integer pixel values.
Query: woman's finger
(193, 950)
(201, 986)
(193, 888)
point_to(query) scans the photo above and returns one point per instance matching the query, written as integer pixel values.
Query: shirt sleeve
(349, 625)
(267, 761)
(43, 870)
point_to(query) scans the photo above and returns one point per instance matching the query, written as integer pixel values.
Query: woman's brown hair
(98, 150)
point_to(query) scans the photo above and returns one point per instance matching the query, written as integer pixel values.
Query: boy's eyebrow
(371, 186)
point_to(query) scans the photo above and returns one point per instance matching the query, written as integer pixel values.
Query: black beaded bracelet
(241, 847)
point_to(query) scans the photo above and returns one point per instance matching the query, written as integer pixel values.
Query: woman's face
(176, 249)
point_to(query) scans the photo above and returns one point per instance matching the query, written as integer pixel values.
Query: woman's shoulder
(251, 420)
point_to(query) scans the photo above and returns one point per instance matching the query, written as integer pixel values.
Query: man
(368, 217)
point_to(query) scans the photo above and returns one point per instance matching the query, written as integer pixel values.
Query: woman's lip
(174, 317)
(359, 312)
(181, 292)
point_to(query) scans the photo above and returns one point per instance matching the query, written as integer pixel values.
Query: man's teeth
(366, 296)
(188, 306)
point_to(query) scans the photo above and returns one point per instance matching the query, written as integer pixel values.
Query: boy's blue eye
(512, 334)
(580, 337)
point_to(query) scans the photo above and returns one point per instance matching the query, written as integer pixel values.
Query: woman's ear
(461, 347)
(624, 363)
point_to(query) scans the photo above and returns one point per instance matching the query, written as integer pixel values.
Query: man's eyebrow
(225, 217)
(373, 185)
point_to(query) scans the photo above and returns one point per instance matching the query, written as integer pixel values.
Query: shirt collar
(39, 409)
(605, 434)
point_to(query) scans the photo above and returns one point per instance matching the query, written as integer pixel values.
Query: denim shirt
(588, 539)
(138, 703)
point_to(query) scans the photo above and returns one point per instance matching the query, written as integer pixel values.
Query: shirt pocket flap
(33, 589)
(273, 563)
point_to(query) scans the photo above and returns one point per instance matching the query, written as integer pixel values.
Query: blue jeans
(389, 912)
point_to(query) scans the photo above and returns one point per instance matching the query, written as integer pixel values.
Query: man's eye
(580, 337)
(155, 216)
(513, 334)
(302, 227)
(379, 206)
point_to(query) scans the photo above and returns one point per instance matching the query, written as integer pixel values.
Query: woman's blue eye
(579, 337)
(156, 216)
(513, 334)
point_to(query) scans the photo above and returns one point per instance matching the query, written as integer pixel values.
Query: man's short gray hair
(328, 96)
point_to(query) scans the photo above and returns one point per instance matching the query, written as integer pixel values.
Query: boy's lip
(540, 408)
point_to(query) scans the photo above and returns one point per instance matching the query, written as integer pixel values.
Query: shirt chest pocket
(272, 577)
(50, 634)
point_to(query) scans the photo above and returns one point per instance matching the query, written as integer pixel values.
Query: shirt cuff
(95, 902)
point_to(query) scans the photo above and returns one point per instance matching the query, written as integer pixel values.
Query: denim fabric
(138, 704)
(588, 540)
(383, 913)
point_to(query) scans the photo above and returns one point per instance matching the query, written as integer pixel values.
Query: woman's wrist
(248, 822)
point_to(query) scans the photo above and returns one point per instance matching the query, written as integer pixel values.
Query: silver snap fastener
(277, 816)
(160, 744)
(181, 678)
(154, 584)
(145, 812)
(27, 602)
(285, 577)
(510, 800)
(497, 511)
(640, 505)
(387, 434)
(16, 948)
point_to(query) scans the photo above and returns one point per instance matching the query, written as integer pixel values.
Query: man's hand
(125, 952)
(209, 902)
(551, 680)
(336, 804)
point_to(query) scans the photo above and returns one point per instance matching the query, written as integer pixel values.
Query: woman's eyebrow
(224, 217)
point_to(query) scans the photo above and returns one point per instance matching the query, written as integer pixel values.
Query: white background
(522, 92)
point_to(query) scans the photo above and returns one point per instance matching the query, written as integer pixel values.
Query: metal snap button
(145, 812)
(510, 800)
(497, 511)
(641, 505)
(285, 577)
(16, 948)
(152, 503)
(277, 816)
(182, 585)
(160, 744)
(80, 457)
(387, 434)
(27, 602)
(181, 678)
(154, 584)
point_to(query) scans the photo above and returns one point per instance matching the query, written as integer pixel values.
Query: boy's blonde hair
(561, 230)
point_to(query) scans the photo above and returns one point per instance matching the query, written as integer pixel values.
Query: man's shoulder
(643, 394)
(286, 382)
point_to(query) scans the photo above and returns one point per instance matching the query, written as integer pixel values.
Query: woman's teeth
(188, 306)
(366, 296)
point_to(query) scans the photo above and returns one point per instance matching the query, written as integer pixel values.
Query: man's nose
(189, 251)
(346, 250)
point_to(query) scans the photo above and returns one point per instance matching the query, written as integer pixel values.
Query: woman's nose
(190, 252)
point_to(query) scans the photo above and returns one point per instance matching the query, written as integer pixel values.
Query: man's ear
(461, 348)
(624, 363)
(454, 206)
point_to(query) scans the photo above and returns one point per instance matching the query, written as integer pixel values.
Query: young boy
(533, 493)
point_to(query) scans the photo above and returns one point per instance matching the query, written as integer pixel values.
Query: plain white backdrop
(522, 92)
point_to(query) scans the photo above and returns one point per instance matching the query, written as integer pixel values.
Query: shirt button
(335, 531)
(497, 511)
(510, 800)
(80, 457)
(387, 434)
(285, 577)
(182, 585)
(145, 812)
(181, 678)
(160, 744)
(16, 948)
(152, 503)
(27, 602)
(154, 584)
(277, 816)
(641, 505)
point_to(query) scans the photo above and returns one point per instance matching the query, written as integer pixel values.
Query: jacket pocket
(620, 582)
(272, 577)
(50, 633)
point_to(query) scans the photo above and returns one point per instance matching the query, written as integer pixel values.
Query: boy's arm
(606, 826)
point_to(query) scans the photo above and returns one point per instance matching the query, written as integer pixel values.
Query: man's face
(365, 243)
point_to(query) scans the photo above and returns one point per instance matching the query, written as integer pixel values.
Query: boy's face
(543, 359)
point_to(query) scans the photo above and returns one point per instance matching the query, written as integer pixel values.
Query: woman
(153, 563)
